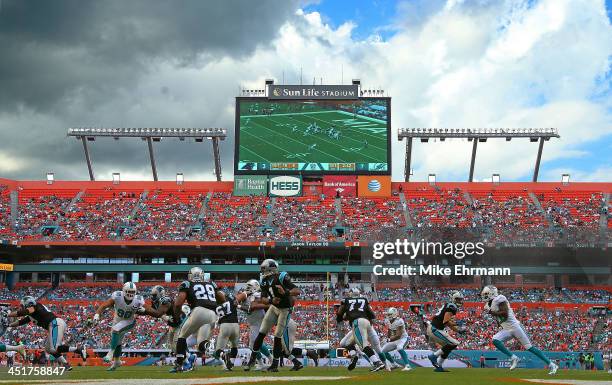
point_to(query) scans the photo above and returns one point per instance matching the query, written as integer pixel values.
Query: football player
(126, 303)
(357, 311)
(436, 333)
(279, 292)
(229, 330)
(4, 324)
(499, 307)
(161, 307)
(249, 301)
(398, 337)
(32, 311)
(203, 296)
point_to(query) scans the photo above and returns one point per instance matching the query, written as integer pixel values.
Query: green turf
(358, 376)
(280, 138)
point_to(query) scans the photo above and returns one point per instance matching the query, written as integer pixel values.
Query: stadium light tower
(151, 135)
(476, 135)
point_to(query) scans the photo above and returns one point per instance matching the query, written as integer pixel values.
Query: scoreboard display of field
(313, 136)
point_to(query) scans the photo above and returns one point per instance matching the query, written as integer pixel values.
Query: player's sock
(257, 344)
(265, 350)
(502, 348)
(61, 360)
(115, 338)
(278, 348)
(438, 353)
(382, 357)
(404, 355)
(369, 352)
(117, 353)
(3, 348)
(217, 353)
(388, 357)
(181, 349)
(441, 360)
(539, 354)
(233, 354)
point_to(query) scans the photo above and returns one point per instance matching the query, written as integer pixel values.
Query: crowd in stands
(175, 215)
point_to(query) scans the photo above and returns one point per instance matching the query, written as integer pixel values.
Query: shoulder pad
(184, 285)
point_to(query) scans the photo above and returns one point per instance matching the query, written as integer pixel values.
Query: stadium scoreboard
(314, 131)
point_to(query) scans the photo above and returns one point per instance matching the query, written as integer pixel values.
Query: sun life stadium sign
(313, 92)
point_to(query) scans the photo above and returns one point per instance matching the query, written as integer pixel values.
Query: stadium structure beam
(215, 142)
(476, 135)
(152, 157)
(87, 158)
(151, 135)
(536, 170)
(408, 159)
(473, 161)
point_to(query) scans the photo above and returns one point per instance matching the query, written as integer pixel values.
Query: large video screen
(313, 136)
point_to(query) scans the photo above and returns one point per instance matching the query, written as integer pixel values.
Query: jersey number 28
(204, 292)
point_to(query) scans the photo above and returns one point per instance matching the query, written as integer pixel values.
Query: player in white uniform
(126, 304)
(249, 302)
(398, 338)
(499, 307)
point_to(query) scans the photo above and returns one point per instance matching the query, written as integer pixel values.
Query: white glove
(96, 318)
(141, 310)
(487, 307)
(166, 318)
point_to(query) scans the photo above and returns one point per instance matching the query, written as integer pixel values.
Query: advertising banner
(285, 186)
(313, 92)
(245, 185)
(374, 186)
(343, 185)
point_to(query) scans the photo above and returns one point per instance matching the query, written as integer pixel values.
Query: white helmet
(186, 309)
(457, 298)
(28, 301)
(252, 286)
(129, 291)
(157, 292)
(269, 267)
(392, 313)
(354, 292)
(196, 274)
(488, 293)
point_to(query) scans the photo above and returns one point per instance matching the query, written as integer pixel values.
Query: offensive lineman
(398, 337)
(127, 304)
(357, 311)
(499, 307)
(161, 307)
(445, 317)
(203, 296)
(249, 301)
(229, 330)
(279, 292)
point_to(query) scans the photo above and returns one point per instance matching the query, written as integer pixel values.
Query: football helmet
(269, 267)
(392, 313)
(252, 286)
(129, 291)
(157, 292)
(457, 298)
(354, 292)
(488, 293)
(28, 301)
(196, 274)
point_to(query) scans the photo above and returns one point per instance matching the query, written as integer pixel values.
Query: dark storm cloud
(53, 49)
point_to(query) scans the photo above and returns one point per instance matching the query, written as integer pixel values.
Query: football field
(286, 137)
(140, 375)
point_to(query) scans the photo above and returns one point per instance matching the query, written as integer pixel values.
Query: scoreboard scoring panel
(313, 136)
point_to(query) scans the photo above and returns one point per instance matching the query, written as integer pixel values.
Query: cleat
(297, 366)
(353, 362)
(515, 360)
(68, 367)
(259, 367)
(553, 368)
(114, 366)
(440, 369)
(176, 369)
(377, 367)
(407, 368)
(434, 360)
(273, 369)
(108, 358)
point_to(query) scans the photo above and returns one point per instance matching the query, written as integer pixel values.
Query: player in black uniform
(203, 297)
(445, 317)
(162, 307)
(279, 292)
(31, 311)
(357, 311)
(229, 330)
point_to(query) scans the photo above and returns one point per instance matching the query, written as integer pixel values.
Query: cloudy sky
(163, 63)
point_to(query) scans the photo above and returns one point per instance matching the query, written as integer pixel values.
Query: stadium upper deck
(164, 213)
